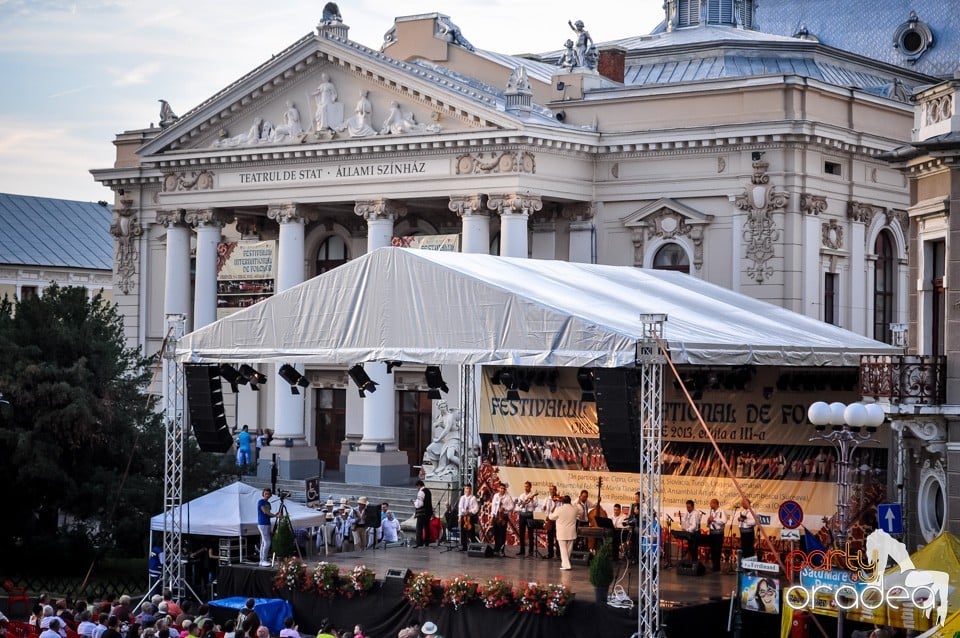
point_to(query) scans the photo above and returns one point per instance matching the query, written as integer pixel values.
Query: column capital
(466, 205)
(863, 212)
(288, 213)
(170, 218)
(199, 217)
(374, 209)
(514, 203)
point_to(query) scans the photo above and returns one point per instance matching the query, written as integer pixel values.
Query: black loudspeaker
(618, 417)
(580, 558)
(690, 568)
(205, 404)
(395, 580)
(476, 550)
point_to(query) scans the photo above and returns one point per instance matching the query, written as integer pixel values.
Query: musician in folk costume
(500, 508)
(526, 505)
(467, 509)
(549, 504)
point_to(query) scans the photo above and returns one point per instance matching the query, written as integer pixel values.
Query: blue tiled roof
(39, 231)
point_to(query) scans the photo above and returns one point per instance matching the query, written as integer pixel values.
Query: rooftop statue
(331, 14)
(584, 41)
(167, 116)
(568, 59)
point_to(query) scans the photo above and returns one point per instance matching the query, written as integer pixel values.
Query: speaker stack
(205, 407)
(618, 417)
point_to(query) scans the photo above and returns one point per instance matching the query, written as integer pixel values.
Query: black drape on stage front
(384, 611)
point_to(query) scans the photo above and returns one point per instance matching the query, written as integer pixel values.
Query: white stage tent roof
(232, 511)
(454, 308)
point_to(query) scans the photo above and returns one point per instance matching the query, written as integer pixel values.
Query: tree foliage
(81, 441)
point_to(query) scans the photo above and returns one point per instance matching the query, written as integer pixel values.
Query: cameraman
(263, 524)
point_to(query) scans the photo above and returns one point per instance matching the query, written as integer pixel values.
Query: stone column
(515, 209)
(377, 460)
(475, 222)
(176, 293)
(861, 215)
(295, 459)
(208, 225)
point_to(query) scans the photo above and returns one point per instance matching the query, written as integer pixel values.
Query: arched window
(883, 287)
(672, 257)
(332, 253)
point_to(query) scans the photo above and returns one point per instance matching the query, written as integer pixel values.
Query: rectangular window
(28, 292)
(416, 411)
(330, 424)
(830, 310)
(832, 168)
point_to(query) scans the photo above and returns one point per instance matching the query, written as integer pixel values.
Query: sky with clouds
(76, 73)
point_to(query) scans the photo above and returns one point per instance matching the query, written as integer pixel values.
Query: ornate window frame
(667, 221)
(932, 500)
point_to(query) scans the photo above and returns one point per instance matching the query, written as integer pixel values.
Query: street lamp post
(850, 425)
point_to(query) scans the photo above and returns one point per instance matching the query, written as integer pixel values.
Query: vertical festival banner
(246, 272)
(549, 435)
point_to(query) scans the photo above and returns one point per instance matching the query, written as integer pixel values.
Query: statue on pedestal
(443, 453)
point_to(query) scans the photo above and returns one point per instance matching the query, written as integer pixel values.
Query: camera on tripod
(283, 494)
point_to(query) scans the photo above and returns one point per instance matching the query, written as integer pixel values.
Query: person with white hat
(430, 629)
(360, 527)
(328, 529)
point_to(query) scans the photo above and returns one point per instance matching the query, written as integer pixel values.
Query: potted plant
(601, 570)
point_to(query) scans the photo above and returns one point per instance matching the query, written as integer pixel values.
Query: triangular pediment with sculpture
(324, 89)
(667, 219)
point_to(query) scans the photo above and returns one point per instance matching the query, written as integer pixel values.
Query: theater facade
(743, 158)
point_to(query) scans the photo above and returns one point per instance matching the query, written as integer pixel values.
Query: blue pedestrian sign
(890, 518)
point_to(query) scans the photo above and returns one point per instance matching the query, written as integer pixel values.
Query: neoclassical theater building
(743, 156)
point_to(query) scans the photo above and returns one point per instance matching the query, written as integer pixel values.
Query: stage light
(508, 377)
(585, 379)
(364, 382)
(254, 378)
(552, 377)
(435, 382)
(231, 376)
(292, 376)
(393, 364)
(523, 380)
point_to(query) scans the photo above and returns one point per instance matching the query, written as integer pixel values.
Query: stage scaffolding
(650, 360)
(172, 576)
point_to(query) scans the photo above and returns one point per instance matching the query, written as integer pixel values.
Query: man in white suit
(566, 518)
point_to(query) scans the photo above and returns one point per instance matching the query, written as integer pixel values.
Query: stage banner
(446, 243)
(246, 272)
(551, 436)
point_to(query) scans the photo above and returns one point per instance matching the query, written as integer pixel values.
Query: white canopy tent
(232, 511)
(455, 308)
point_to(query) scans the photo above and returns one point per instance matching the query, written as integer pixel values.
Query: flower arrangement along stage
(291, 574)
(358, 581)
(459, 591)
(325, 579)
(419, 590)
(497, 592)
(551, 599)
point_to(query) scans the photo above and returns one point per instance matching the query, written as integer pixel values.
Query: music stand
(535, 527)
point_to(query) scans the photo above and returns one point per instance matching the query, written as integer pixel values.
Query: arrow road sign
(890, 518)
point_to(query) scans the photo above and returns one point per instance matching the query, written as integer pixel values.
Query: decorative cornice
(862, 212)
(466, 205)
(126, 228)
(760, 233)
(812, 204)
(373, 209)
(187, 181)
(514, 203)
(496, 162)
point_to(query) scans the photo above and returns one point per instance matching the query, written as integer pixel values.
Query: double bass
(596, 513)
